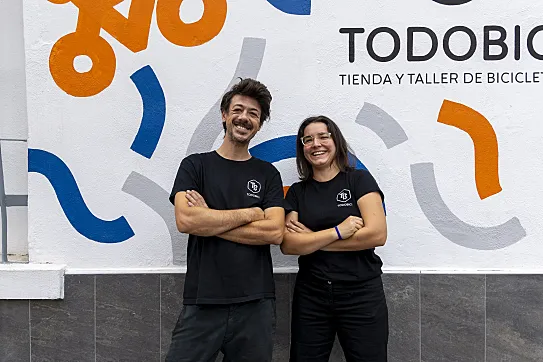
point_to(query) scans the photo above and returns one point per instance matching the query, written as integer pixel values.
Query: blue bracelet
(338, 234)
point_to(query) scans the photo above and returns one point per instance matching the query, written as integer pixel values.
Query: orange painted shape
(61, 64)
(59, 2)
(285, 190)
(485, 143)
(194, 34)
(132, 32)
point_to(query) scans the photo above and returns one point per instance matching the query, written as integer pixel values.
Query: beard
(242, 141)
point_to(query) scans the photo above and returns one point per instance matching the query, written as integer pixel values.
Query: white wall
(13, 119)
(444, 212)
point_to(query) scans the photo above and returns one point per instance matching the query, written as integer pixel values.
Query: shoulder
(360, 175)
(197, 158)
(264, 166)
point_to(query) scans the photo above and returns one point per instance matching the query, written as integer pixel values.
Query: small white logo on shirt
(344, 196)
(253, 186)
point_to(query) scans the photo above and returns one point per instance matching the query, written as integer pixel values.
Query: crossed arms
(357, 233)
(251, 226)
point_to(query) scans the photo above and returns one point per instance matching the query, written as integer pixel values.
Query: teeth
(241, 127)
(318, 153)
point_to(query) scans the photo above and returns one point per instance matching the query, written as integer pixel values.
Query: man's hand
(294, 226)
(195, 199)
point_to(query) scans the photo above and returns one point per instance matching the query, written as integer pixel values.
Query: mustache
(245, 124)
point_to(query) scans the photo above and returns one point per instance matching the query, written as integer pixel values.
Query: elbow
(275, 237)
(381, 238)
(288, 248)
(184, 223)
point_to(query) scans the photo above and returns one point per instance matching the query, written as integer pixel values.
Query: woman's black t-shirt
(323, 205)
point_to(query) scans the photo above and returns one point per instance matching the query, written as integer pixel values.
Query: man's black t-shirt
(323, 205)
(220, 271)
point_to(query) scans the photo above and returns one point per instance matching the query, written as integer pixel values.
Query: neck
(326, 173)
(234, 151)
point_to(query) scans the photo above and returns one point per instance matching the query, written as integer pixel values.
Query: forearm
(209, 222)
(363, 239)
(307, 243)
(262, 232)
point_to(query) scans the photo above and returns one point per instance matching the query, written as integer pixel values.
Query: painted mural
(444, 115)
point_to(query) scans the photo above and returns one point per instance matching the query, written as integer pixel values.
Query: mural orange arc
(132, 31)
(485, 143)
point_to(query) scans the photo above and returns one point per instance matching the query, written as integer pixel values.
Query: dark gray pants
(242, 332)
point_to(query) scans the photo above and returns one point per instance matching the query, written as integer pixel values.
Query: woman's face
(319, 147)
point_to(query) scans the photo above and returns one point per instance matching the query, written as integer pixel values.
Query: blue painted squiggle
(154, 111)
(294, 7)
(72, 203)
(283, 148)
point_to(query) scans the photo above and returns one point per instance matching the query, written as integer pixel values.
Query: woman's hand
(295, 226)
(349, 226)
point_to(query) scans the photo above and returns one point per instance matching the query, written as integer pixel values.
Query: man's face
(242, 119)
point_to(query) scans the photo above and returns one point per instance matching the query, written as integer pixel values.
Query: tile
(14, 331)
(514, 318)
(128, 317)
(337, 353)
(171, 303)
(402, 293)
(281, 348)
(63, 330)
(452, 318)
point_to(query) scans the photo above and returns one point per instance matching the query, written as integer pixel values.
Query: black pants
(357, 312)
(242, 332)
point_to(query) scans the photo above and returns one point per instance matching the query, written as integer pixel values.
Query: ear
(223, 114)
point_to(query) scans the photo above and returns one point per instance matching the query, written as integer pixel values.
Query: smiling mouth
(242, 127)
(318, 153)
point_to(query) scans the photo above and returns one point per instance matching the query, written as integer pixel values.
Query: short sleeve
(274, 191)
(186, 179)
(291, 200)
(364, 184)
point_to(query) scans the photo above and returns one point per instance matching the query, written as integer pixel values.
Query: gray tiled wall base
(130, 318)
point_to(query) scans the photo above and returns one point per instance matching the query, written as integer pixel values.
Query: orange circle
(189, 35)
(92, 82)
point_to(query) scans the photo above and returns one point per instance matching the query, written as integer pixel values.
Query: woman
(335, 219)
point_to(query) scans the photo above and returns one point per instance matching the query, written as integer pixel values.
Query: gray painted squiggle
(450, 226)
(382, 124)
(154, 196)
(250, 60)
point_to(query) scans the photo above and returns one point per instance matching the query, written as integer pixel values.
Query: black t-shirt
(323, 205)
(220, 271)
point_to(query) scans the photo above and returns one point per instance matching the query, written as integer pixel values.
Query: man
(231, 205)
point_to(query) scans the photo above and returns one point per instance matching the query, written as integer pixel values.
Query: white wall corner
(32, 281)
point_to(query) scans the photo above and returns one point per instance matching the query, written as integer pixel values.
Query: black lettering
(531, 37)
(447, 39)
(410, 44)
(491, 78)
(454, 78)
(343, 78)
(496, 42)
(517, 42)
(395, 51)
(356, 79)
(351, 32)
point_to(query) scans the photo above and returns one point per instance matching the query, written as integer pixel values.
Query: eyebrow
(241, 105)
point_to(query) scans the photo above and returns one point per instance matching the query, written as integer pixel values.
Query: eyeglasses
(322, 137)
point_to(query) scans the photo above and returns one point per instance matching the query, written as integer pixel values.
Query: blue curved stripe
(294, 7)
(282, 148)
(154, 111)
(72, 203)
(276, 149)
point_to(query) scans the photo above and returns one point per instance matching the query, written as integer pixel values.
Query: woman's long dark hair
(305, 170)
